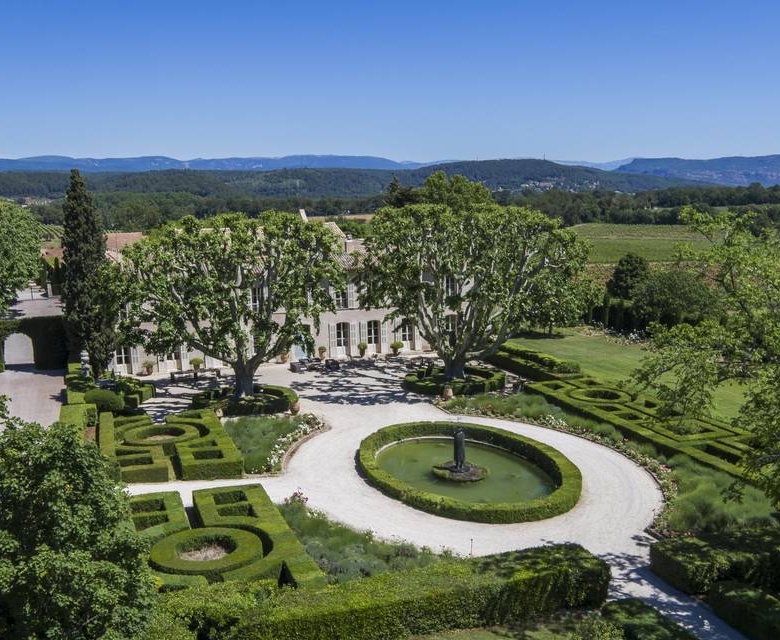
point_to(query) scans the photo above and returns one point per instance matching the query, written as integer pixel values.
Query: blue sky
(405, 80)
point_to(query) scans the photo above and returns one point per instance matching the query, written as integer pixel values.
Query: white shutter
(363, 332)
(332, 294)
(135, 357)
(351, 295)
(417, 339)
(332, 338)
(353, 338)
(385, 341)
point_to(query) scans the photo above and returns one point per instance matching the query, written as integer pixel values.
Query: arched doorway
(18, 351)
(47, 340)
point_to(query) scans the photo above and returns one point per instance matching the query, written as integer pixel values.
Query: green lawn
(655, 243)
(604, 358)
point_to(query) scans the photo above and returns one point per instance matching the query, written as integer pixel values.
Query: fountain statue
(458, 469)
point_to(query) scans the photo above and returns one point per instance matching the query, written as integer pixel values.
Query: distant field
(606, 359)
(655, 243)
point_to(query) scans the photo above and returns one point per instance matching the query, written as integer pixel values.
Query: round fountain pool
(509, 479)
(524, 479)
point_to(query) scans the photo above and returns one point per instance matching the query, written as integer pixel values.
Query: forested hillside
(734, 171)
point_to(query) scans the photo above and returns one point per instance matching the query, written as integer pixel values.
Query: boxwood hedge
(709, 442)
(564, 474)
(479, 380)
(748, 609)
(446, 595)
(267, 399)
(197, 447)
(693, 565)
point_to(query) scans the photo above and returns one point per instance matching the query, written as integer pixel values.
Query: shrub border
(563, 472)
(488, 380)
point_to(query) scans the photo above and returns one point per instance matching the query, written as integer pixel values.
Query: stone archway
(47, 334)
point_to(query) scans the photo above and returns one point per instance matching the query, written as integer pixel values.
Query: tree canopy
(743, 345)
(86, 289)
(20, 250)
(72, 566)
(238, 290)
(467, 277)
(630, 272)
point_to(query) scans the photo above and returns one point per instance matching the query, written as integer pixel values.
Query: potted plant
(362, 346)
(396, 346)
(148, 366)
(446, 393)
(196, 362)
(321, 350)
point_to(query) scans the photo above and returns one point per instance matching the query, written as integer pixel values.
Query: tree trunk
(244, 381)
(454, 369)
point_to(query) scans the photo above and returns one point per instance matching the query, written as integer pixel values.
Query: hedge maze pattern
(241, 520)
(710, 442)
(192, 445)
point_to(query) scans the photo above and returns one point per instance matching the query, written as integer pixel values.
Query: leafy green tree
(20, 251)
(630, 271)
(465, 278)
(237, 290)
(743, 345)
(458, 193)
(72, 566)
(563, 300)
(91, 324)
(673, 296)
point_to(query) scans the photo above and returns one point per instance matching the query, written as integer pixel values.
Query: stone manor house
(340, 331)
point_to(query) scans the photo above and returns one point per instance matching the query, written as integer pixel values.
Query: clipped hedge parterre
(478, 380)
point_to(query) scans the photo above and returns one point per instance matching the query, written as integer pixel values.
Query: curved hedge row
(267, 399)
(242, 547)
(481, 380)
(564, 474)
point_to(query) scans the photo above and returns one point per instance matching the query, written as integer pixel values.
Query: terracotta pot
(295, 407)
(447, 392)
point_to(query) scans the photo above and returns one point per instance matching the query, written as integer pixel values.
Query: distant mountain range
(164, 163)
(497, 175)
(733, 171)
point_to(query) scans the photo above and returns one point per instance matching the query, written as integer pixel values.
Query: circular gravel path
(619, 498)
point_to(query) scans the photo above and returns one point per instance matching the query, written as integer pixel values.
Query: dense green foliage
(71, 566)
(91, 303)
(743, 345)
(464, 273)
(105, 400)
(445, 595)
(265, 399)
(345, 554)
(630, 272)
(672, 296)
(694, 564)
(567, 477)
(20, 237)
(752, 611)
(195, 284)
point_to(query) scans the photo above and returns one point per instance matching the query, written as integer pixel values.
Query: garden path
(619, 498)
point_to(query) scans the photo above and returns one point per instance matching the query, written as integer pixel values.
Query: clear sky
(424, 80)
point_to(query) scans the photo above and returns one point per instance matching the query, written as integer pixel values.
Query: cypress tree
(84, 252)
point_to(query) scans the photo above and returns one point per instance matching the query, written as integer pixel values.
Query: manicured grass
(255, 436)
(605, 358)
(655, 243)
(345, 554)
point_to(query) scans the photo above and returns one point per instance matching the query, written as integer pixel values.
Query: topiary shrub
(105, 400)
(564, 474)
(640, 621)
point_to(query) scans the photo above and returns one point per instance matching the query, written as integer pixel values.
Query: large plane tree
(220, 286)
(465, 277)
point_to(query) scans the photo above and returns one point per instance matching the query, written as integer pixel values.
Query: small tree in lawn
(466, 278)
(72, 566)
(238, 290)
(91, 309)
(630, 272)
